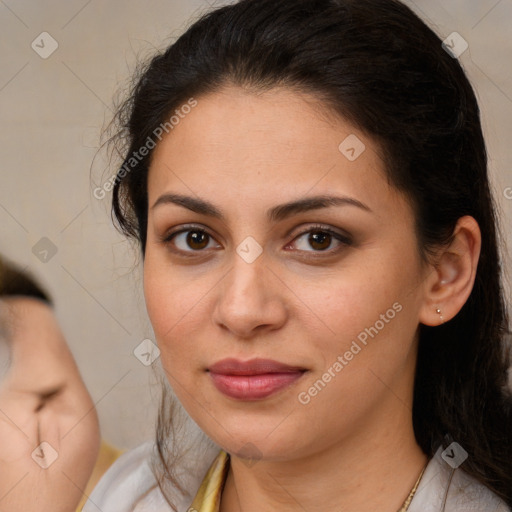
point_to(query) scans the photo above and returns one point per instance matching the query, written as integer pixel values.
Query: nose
(251, 299)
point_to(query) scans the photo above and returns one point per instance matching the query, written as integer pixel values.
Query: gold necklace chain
(407, 502)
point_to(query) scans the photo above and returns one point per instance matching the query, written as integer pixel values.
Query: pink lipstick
(252, 380)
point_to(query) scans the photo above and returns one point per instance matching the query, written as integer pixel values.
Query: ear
(450, 283)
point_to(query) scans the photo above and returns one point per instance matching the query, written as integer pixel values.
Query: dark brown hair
(379, 66)
(16, 281)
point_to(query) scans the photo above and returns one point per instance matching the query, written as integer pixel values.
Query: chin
(258, 443)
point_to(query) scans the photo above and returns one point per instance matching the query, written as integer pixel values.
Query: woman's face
(269, 281)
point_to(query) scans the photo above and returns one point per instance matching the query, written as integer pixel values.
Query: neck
(373, 469)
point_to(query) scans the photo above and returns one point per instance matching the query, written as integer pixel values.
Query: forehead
(280, 123)
(278, 142)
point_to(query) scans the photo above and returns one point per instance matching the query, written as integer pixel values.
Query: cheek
(365, 350)
(367, 315)
(351, 302)
(175, 306)
(161, 291)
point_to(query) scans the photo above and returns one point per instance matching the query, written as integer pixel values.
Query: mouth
(253, 380)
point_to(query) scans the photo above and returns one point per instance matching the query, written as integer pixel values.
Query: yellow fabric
(208, 496)
(106, 457)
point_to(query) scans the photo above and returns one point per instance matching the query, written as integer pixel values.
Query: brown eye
(320, 239)
(197, 239)
(188, 240)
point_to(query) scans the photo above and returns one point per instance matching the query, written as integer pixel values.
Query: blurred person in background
(50, 449)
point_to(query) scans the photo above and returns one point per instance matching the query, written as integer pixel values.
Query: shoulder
(448, 488)
(129, 485)
(129, 478)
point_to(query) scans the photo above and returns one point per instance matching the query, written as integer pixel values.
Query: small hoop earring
(438, 311)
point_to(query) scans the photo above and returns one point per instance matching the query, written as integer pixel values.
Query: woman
(308, 183)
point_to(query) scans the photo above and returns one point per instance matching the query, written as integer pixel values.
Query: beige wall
(52, 111)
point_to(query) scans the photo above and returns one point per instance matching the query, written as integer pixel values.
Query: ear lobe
(454, 274)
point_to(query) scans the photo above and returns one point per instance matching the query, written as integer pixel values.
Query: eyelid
(169, 235)
(324, 228)
(344, 239)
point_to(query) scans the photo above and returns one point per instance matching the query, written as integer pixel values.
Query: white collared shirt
(130, 486)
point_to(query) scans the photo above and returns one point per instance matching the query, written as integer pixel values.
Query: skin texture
(42, 399)
(352, 446)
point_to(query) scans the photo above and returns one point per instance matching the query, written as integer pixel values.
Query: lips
(253, 380)
(252, 367)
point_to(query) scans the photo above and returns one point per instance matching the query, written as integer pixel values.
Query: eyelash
(344, 240)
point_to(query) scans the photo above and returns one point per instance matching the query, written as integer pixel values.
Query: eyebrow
(275, 214)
